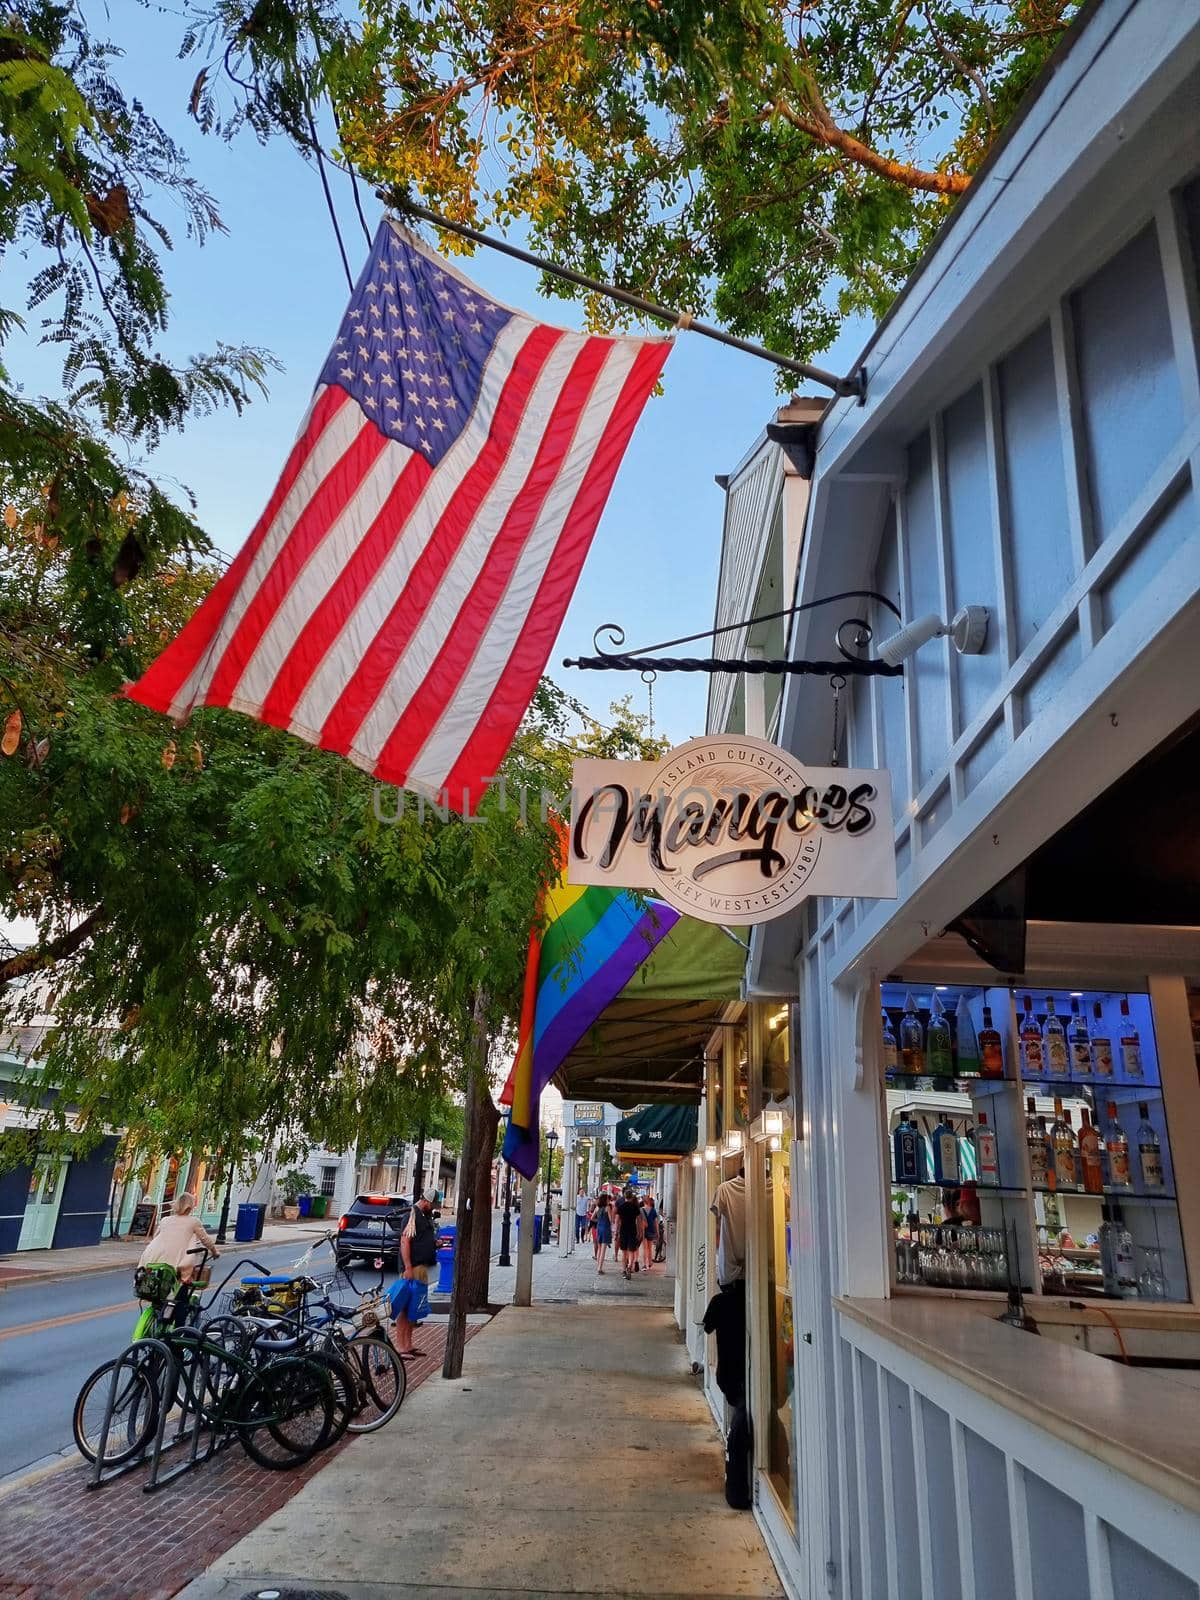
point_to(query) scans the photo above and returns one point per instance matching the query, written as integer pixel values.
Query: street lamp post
(506, 1222)
(551, 1141)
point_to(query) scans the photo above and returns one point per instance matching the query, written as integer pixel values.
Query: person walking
(418, 1252)
(650, 1234)
(602, 1223)
(631, 1225)
(582, 1206)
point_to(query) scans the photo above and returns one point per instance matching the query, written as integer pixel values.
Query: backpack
(422, 1247)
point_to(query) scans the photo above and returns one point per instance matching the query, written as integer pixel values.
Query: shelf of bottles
(1028, 1142)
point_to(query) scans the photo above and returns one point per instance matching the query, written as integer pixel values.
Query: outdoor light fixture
(774, 1142)
(768, 1124)
(776, 1018)
(968, 629)
(710, 1153)
(697, 1159)
(733, 1141)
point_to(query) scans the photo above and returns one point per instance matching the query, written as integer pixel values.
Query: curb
(31, 1475)
(65, 1275)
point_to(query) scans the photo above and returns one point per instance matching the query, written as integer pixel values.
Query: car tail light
(343, 1222)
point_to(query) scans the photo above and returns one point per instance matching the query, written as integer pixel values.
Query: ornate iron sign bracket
(851, 648)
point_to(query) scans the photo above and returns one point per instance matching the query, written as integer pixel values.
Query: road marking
(63, 1322)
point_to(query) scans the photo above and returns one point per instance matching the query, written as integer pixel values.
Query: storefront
(1030, 444)
(57, 1199)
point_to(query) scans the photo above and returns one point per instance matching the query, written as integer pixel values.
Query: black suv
(372, 1227)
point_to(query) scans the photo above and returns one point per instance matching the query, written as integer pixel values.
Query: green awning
(657, 1131)
(649, 1044)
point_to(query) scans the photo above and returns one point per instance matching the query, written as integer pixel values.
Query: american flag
(399, 597)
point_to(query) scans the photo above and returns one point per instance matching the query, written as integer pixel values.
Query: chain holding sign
(732, 830)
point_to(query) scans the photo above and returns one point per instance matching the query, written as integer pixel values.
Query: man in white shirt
(582, 1207)
(729, 1208)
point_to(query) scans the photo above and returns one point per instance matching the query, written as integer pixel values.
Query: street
(52, 1335)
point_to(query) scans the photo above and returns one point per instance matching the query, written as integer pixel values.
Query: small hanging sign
(732, 829)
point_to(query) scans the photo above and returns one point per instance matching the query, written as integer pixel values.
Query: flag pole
(855, 384)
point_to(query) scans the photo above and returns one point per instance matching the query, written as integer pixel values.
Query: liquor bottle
(1081, 1045)
(939, 1054)
(889, 1045)
(1062, 1139)
(1117, 1146)
(912, 1038)
(1040, 1167)
(1102, 1056)
(967, 1040)
(1116, 1254)
(1091, 1162)
(906, 1145)
(991, 1047)
(1047, 1142)
(987, 1167)
(1131, 1044)
(1149, 1151)
(945, 1153)
(1054, 1044)
(1032, 1059)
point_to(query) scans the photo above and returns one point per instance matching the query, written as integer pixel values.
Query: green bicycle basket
(155, 1283)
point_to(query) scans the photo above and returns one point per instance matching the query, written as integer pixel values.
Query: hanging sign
(589, 1114)
(732, 830)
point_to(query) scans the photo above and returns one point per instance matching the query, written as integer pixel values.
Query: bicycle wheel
(284, 1413)
(134, 1416)
(382, 1382)
(345, 1391)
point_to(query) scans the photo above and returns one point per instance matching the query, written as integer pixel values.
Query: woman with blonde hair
(176, 1236)
(177, 1243)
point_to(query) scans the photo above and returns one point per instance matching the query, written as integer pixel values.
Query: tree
(784, 161)
(84, 171)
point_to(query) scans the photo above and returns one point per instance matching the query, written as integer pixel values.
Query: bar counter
(1144, 1422)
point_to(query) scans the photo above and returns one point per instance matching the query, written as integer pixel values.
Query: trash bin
(320, 1204)
(537, 1234)
(261, 1208)
(304, 1201)
(247, 1222)
(447, 1244)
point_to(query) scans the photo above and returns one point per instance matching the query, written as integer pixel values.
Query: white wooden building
(1030, 443)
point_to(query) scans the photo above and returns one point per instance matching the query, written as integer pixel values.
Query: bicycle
(282, 1409)
(158, 1286)
(273, 1313)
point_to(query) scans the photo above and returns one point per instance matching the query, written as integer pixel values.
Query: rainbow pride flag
(584, 947)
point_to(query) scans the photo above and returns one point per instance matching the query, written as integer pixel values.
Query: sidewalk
(561, 1279)
(48, 1266)
(575, 1456)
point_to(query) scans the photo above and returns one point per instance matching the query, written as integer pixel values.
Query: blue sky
(276, 280)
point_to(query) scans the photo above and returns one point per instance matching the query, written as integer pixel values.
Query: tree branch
(45, 955)
(820, 126)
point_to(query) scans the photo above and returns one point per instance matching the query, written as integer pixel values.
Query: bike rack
(132, 1359)
(217, 1441)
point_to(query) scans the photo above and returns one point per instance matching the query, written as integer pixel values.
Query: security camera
(968, 630)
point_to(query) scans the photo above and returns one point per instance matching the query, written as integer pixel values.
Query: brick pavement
(61, 1541)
